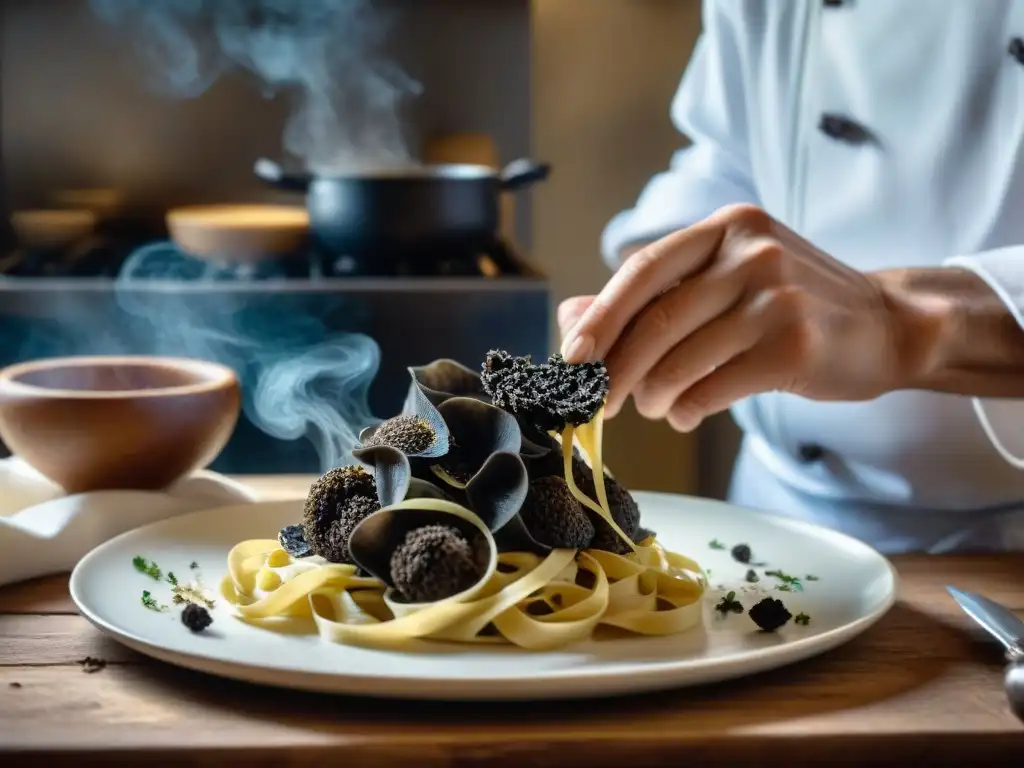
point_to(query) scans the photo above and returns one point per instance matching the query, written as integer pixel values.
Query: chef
(838, 257)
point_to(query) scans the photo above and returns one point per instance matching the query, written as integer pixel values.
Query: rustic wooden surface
(923, 685)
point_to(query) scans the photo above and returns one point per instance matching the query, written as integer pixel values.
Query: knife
(1005, 627)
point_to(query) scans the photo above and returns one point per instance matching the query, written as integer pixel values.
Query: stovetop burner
(104, 256)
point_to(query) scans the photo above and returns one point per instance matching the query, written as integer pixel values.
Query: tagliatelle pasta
(649, 591)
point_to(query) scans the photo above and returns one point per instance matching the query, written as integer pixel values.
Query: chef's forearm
(953, 333)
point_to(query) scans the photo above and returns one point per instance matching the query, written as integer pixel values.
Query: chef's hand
(734, 306)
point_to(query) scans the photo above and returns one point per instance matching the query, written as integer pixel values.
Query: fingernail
(578, 347)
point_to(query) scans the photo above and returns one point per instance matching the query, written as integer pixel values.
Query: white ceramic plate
(854, 588)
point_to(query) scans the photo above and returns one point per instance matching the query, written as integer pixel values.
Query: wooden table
(924, 685)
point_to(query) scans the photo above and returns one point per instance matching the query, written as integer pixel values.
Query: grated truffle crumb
(410, 434)
(549, 395)
(196, 617)
(554, 517)
(434, 562)
(770, 614)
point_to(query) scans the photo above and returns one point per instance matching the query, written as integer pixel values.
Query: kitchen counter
(923, 685)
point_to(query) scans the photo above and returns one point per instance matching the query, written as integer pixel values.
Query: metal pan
(406, 209)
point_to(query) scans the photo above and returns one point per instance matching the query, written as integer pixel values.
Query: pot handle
(522, 173)
(274, 174)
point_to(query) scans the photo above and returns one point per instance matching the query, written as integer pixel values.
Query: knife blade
(1000, 622)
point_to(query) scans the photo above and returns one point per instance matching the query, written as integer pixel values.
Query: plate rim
(552, 684)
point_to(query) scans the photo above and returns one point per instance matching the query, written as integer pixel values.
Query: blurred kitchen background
(112, 116)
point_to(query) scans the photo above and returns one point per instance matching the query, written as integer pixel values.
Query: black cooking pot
(407, 209)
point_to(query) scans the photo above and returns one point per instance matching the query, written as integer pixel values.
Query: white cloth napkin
(45, 531)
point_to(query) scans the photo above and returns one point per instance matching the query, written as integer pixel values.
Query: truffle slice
(550, 395)
(336, 503)
(444, 379)
(434, 562)
(478, 431)
(392, 472)
(376, 539)
(496, 493)
(292, 539)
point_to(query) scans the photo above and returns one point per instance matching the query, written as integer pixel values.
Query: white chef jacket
(889, 133)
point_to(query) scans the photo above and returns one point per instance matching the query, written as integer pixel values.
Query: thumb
(571, 310)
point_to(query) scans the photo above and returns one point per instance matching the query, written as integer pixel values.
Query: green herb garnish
(789, 583)
(752, 576)
(802, 619)
(148, 601)
(148, 567)
(729, 604)
(172, 579)
(716, 544)
(193, 565)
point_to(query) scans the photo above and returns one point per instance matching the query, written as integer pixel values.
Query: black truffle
(410, 434)
(769, 614)
(196, 617)
(331, 543)
(551, 464)
(434, 562)
(328, 495)
(336, 503)
(550, 395)
(741, 553)
(621, 504)
(554, 517)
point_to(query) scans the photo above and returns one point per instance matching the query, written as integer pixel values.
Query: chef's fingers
(694, 358)
(571, 310)
(666, 322)
(750, 373)
(644, 276)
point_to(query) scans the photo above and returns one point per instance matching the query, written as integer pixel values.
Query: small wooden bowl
(239, 233)
(100, 423)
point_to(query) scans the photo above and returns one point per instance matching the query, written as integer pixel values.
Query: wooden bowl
(239, 233)
(99, 423)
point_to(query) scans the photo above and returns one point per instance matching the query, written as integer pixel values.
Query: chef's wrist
(921, 324)
(950, 333)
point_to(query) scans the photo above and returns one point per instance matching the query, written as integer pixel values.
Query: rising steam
(323, 53)
(302, 379)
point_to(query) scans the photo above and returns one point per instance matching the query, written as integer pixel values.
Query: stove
(321, 342)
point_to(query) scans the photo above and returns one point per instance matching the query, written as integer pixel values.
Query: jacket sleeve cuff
(1002, 420)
